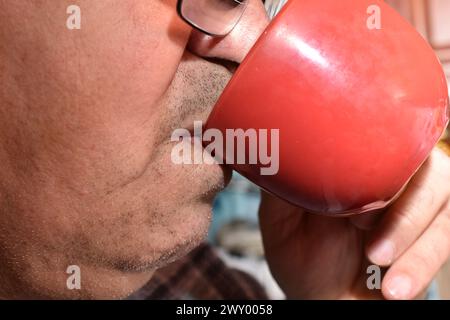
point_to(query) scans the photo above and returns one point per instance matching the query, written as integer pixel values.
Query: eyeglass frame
(190, 23)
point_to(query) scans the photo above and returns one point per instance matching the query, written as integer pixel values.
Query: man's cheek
(82, 122)
(131, 52)
(117, 41)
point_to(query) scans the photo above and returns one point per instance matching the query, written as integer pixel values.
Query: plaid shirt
(200, 275)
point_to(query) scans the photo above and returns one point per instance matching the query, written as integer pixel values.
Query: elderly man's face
(86, 116)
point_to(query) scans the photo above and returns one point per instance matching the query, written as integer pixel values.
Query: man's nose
(235, 46)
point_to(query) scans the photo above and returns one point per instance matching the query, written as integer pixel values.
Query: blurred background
(234, 231)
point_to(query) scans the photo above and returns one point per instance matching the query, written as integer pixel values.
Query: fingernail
(382, 253)
(399, 287)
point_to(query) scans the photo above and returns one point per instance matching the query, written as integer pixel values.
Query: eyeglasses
(213, 17)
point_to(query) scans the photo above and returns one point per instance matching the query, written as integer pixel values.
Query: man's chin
(161, 247)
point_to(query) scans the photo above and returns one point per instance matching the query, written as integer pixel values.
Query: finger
(367, 221)
(412, 213)
(415, 269)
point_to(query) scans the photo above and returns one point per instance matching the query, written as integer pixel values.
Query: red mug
(358, 107)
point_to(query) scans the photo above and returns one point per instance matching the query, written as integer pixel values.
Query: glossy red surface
(358, 110)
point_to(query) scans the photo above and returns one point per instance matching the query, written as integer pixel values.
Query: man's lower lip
(212, 193)
(226, 169)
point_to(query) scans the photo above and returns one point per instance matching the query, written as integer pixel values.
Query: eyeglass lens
(215, 17)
